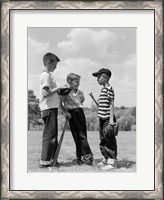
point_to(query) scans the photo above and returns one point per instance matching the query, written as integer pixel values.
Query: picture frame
(6, 118)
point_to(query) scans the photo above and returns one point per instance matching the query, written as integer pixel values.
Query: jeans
(79, 132)
(50, 134)
(108, 146)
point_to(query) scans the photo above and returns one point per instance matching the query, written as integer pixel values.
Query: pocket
(45, 113)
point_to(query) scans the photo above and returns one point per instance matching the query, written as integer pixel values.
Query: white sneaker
(107, 167)
(110, 161)
(103, 162)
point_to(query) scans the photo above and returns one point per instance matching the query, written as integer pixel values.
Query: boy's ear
(48, 62)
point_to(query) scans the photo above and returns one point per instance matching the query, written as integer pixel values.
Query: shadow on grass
(68, 164)
(124, 163)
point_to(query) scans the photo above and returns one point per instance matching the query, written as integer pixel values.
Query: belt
(75, 109)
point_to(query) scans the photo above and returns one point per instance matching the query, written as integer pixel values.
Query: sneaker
(107, 167)
(110, 161)
(103, 162)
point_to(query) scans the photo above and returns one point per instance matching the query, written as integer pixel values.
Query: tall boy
(108, 145)
(73, 103)
(49, 104)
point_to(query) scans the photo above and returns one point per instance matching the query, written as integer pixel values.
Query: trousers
(108, 146)
(79, 132)
(50, 135)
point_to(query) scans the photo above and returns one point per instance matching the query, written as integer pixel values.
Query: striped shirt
(105, 98)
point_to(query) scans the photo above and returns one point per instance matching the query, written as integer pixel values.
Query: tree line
(125, 116)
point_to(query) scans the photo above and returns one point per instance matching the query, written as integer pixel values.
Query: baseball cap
(101, 71)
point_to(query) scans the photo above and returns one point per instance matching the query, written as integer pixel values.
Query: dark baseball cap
(101, 71)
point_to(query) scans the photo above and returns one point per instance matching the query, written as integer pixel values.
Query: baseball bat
(91, 95)
(59, 145)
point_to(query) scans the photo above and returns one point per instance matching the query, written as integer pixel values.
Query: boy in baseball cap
(108, 144)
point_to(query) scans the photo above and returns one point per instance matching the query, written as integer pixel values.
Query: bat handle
(92, 96)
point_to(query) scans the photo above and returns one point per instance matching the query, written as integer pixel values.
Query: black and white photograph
(82, 99)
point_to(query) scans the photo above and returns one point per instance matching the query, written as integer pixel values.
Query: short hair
(50, 57)
(72, 76)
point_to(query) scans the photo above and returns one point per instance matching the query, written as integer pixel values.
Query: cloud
(38, 47)
(82, 66)
(84, 38)
(124, 80)
(126, 68)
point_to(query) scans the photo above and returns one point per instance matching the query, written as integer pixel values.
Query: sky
(84, 51)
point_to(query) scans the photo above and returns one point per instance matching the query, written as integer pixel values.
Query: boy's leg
(82, 134)
(74, 131)
(102, 138)
(111, 147)
(50, 133)
(108, 147)
(78, 129)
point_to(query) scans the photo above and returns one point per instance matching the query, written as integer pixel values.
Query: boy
(108, 145)
(73, 104)
(49, 104)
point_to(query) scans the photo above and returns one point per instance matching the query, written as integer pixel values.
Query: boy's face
(101, 79)
(75, 84)
(51, 65)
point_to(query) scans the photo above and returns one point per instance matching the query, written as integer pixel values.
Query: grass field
(126, 142)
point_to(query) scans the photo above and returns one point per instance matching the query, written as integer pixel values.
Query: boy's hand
(67, 115)
(91, 95)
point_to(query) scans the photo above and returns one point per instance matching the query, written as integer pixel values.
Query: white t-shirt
(46, 79)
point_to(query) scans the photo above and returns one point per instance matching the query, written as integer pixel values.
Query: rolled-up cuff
(88, 156)
(42, 162)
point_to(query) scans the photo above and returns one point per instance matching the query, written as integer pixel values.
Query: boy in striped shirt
(108, 145)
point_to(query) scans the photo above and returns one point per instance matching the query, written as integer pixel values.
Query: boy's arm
(111, 121)
(47, 92)
(110, 96)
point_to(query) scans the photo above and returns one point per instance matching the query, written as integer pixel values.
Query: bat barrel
(59, 145)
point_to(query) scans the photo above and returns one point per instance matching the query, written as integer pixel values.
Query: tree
(34, 114)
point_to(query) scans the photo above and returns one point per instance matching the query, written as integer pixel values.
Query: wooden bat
(59, 145)
(91, 95)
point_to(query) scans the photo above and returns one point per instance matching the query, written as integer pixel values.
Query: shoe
(92, 163)
(57, 164)
(110, 161)
(103, 162)
(79, 162)
(107, 167)
(44, 166)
